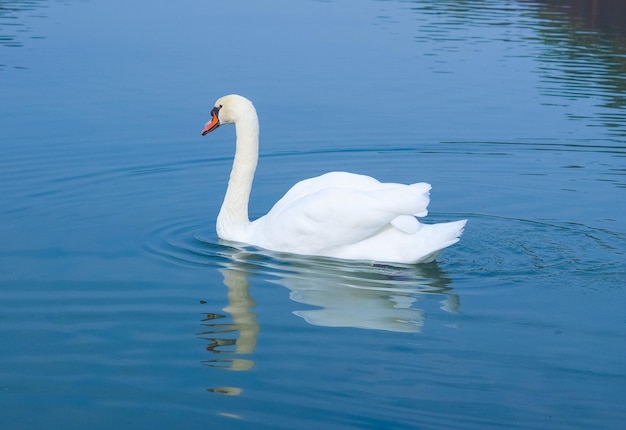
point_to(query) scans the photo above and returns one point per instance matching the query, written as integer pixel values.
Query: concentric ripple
(496, 247)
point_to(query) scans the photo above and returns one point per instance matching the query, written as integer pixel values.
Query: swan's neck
(233, 221)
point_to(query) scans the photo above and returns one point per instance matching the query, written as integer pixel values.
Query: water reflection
(576, 48)
(12, 23)
(235, 338)
(608, 16)
(584, 56)
(365, 296)
(357, 295)
(243, 323)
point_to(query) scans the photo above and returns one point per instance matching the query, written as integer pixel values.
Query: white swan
(339, 214)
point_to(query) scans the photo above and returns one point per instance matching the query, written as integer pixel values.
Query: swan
(338, 214)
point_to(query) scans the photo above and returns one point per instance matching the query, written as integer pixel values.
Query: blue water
(120, 307)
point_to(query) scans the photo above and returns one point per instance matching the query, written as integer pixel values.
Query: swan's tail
(439, 236)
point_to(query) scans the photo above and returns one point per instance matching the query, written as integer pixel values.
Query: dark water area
(595, 31)
(119, 306)
(605, 17)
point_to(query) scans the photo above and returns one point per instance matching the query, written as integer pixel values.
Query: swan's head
(230, 110)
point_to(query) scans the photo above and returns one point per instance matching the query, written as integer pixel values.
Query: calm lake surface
(120, 308)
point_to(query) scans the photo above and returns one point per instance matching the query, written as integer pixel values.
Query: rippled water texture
(119, 306)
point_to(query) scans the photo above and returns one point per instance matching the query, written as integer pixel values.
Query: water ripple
(14, 24)
(495, 252)
(513, 251)
(355, 294)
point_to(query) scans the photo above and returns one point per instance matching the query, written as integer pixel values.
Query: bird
(338, 215)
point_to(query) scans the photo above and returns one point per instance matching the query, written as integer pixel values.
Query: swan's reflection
(362, 295)
(354, 295)
(342, 295)
(244, 327)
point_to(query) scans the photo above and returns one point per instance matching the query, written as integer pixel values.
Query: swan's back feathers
(335, 210)
(416, 195)
(327, 180)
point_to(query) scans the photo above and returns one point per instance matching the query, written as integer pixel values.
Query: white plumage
(338, 214)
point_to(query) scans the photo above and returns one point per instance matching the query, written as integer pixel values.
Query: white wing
(339, 209)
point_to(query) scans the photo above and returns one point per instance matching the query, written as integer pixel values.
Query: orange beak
(214, 123)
